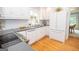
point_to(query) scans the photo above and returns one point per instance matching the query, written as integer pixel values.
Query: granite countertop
(2, 32)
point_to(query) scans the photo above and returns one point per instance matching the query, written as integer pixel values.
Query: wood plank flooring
(46, 44)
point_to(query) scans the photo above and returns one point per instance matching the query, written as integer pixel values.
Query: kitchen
(30, 24)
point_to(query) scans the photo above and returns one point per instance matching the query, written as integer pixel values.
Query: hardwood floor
(46, 44)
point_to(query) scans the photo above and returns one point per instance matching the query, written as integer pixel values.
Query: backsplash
(14, 23)
(44, 22)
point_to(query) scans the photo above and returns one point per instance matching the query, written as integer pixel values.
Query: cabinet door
(45, 30)
(36, 34)
(31, 36)
(61, 20)
(41, 32)
(57, 35)
(16, 12)
(58, 19)
(52, 21)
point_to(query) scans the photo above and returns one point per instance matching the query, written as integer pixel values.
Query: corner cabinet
(34, 35)
(58, 24)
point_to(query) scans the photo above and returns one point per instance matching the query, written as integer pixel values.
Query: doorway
(74, 24)
(73, 38)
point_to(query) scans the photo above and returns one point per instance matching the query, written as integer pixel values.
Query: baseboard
(50, 39)
(56, 40)
(74, 37)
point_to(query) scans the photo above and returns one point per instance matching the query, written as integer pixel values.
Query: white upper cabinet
(43, 13)
(58, 19)
(61, 19)
(20, 12)
(52, 21)
(16, 12)
(25, 12)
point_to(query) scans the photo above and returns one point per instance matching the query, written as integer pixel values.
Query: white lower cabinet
(57, 35)
(31, 36)
(35, 34)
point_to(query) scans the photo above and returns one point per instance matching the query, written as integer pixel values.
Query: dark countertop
(2, 32)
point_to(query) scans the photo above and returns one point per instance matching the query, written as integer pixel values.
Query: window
(72, 19)
(34, 17)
